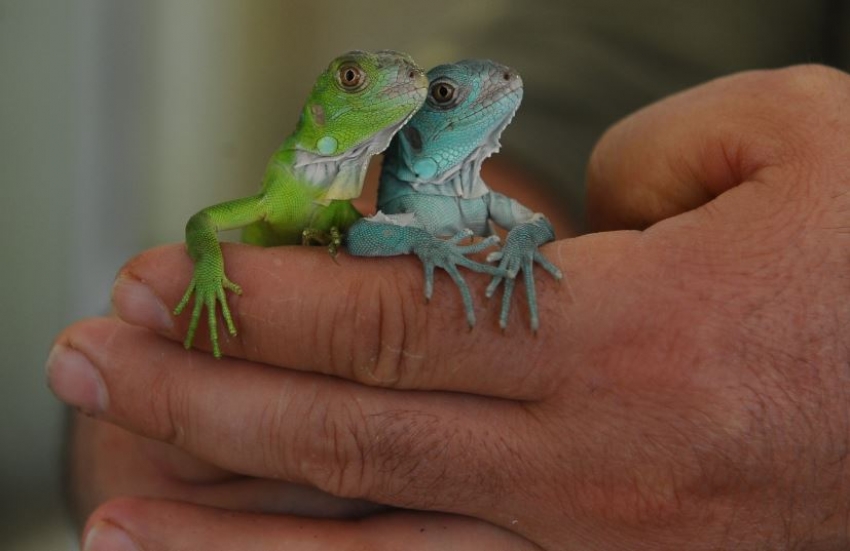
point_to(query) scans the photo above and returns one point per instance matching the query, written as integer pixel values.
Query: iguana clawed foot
(332, 238)
(448, 255)
(519, 254)
(208, 285)
(387, 237)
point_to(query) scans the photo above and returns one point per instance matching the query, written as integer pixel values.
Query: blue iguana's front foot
(369, 238)
(520, 252)
(448, 255)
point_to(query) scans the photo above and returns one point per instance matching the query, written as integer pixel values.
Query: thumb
(683, 151)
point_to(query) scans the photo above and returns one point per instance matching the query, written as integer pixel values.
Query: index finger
(360, 319)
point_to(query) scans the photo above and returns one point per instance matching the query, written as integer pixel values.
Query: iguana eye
(350, 76)
(442, 92)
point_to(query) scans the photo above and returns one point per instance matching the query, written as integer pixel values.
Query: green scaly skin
(431, 188)
(356, 106)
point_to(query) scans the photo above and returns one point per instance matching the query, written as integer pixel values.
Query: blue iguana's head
(362, 98)
(468, 106)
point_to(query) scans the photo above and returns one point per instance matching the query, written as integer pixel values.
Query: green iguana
(355, 108)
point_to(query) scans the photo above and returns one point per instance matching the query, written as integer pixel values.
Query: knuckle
(389, 345)
(348, 445)
(170, 403)
(809, 96)
(812, 131)
(814, 83)
(331, 446)
(275, 449)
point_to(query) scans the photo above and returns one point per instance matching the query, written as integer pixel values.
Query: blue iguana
(431, 187)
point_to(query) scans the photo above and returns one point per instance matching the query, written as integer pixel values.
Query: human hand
(687, 390)
(106, 462)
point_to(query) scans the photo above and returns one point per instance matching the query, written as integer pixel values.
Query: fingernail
(136, 303)
(75, 381)
(105, 536)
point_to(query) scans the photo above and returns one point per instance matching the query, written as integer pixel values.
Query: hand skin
(688, 388)
(107, 461)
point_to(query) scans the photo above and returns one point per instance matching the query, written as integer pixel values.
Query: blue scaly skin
(431, 187)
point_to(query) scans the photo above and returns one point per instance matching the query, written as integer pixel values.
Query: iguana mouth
(381, 140)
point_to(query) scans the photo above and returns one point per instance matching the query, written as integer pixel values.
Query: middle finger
(403, 448)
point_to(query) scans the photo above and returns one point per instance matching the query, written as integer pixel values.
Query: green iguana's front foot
(208, 285)
(331, 238)
(519, 253)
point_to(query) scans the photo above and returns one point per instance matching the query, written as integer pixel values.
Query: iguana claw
(448, 255)
(332, 238)
(519, 254)
(371, 238)
(209, 291)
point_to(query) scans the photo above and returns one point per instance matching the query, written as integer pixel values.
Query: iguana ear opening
(414, 138)
(318, 113)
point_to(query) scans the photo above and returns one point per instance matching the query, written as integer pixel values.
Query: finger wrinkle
(270, 427)
(351, 459)
(403, 352)
(377, 350)
(166, 402)
(327, 449)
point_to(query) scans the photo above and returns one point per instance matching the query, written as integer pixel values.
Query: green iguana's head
(360, 101)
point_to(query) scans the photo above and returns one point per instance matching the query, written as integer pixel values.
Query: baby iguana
(431, 186)
(356, 106)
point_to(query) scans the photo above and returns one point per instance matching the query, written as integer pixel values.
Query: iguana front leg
(527, 232)
(209, 280)
(387, 237)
